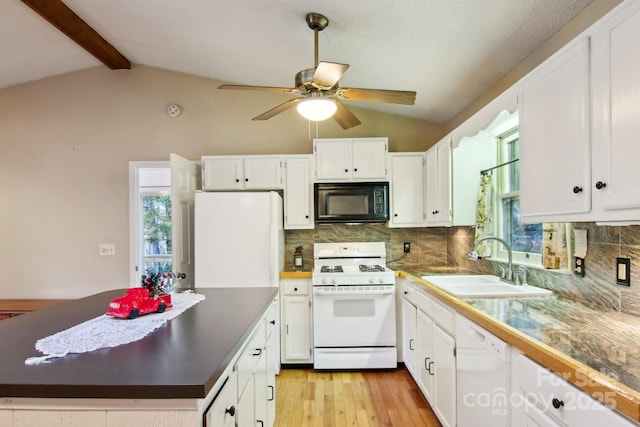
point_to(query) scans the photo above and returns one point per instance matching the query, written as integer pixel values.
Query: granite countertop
(182, 359)
(605, 341)
(568, 336)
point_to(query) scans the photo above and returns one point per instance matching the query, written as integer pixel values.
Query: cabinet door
(369, 158)
(425, 361)
(273, 359)
(407, 190)
(432, 185)
(445, 216)
(444, 376)
(333, 159)
(298, 202)
(263, 173)
(223, 409)
(222, 174)
(616, 64)
(261, 392)
(297, 329)
(409, 314)
(555, 137)
(245, 415)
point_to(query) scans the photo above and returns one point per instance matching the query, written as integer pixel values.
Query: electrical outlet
(107, 249)
(578, 267)
(623, 271)
(407, 247)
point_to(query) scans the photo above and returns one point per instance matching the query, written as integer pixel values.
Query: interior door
(185, 180)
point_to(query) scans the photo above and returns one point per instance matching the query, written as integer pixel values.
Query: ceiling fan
(320, 92)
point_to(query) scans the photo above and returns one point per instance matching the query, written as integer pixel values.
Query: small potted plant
(157, 283)
(297, 257)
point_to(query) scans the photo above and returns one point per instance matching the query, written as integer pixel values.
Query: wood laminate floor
(370, 398)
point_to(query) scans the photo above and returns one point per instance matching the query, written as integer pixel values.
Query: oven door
(354, 316)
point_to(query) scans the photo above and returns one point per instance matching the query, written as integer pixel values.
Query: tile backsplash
(446, 249)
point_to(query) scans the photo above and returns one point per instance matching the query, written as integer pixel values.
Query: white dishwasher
(483, 368)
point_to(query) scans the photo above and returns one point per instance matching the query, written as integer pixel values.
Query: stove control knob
(333, 282)
(380, 280)
(371, 280)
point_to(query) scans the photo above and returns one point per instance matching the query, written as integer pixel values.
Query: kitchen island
(174, 372)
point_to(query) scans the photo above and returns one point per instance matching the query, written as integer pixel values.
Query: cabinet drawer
(561, 400)
(250, 355)
(296, 287)
(443, 316)
(222, 410)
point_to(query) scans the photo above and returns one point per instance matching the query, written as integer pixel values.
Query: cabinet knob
(306, 216)
(406, 292)
(557, 403)
(355, 169)
(231, 411)
(577, 189)
(346, 170)
(600, 185)
(395, 214)
(237, 180)
(295, 289)
(246, 180)
(273, 322)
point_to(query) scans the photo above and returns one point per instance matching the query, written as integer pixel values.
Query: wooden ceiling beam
(65, 20)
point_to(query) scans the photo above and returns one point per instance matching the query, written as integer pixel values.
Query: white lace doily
(105, 331)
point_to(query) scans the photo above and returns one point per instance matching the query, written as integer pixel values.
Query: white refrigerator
(238, 239)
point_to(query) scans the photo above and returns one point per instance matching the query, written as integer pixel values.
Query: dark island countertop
(182, 359)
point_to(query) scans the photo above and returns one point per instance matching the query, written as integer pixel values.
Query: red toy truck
(136, 302)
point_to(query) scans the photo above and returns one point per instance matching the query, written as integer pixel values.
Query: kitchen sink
(482, 286)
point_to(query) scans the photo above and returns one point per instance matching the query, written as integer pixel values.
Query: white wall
(65, 145)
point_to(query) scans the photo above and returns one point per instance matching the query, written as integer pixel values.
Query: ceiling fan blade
(279, 109)
(327, 74)
(261, 88)
(377, 95)
(344, 117)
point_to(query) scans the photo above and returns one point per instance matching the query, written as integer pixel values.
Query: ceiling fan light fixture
(317, 109)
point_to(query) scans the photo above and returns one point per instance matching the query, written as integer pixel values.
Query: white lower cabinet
(223, 410)
(296, 327)
(430, 356)
(542, 398)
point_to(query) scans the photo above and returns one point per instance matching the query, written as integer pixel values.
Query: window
(150, 218)
(525, 239)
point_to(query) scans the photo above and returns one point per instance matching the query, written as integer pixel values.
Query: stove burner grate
(331, 269)
(370, 268)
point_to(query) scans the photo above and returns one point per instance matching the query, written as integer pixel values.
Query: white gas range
(353, 307)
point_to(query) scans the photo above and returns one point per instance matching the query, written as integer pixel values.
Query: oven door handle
(337, 293)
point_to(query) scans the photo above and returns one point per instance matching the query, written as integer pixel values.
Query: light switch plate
(107, 249)
(623, 271)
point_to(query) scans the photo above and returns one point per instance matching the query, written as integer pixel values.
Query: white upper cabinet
(351, 159)
(616, 114)
(555, 136)
(407, 183)
(241, 173)
(579, 124)
(298, 193)
(438, 184)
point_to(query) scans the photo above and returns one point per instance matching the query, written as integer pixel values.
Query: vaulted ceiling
(448, 51)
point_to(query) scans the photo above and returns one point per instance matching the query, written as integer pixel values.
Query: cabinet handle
(429, 368)
(261, 423)
(257, 352)
(411, 344)
(231, 411)
(557, 403)
(577, 189)
(273, 392)
(426, 367)
(600, 185)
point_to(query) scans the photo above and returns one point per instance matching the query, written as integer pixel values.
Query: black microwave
(351, 202)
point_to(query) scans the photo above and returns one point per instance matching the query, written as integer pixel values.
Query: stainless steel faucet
(474, 255)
